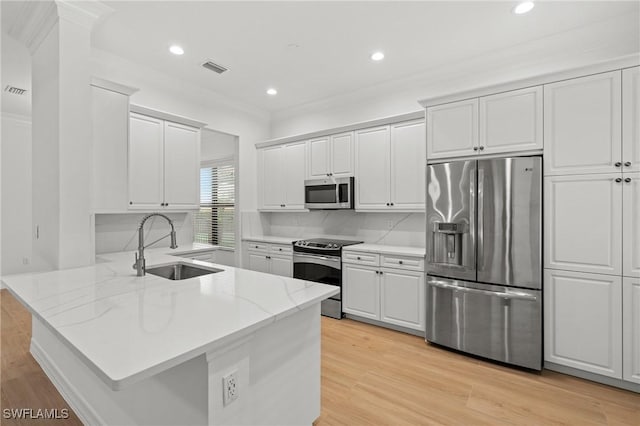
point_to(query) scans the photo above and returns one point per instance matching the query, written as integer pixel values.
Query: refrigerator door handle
(509, 295)
(480, 261)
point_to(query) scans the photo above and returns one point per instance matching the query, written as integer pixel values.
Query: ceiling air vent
(214, 67)
(15, 90)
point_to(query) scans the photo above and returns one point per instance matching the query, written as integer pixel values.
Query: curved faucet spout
(139, 265)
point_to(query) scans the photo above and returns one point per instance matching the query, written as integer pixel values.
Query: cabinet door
(631, 329)
(146, 162)
(271, 178)
(402, 298)
(294, 172)
(631, 225)
(342, 155)
(259, 262)
(582, 125)
(110, 120)
(361, 291)
(282, 266)
(583, 321)
(452, 129)
(583, 223)
(319, 166)
(408, 161)
(181, 166)
(631, 119)
(511, 121)
(372, 169)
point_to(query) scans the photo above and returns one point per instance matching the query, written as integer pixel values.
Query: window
(214, 223)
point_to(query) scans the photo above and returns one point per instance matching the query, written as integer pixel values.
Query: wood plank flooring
(375, 376)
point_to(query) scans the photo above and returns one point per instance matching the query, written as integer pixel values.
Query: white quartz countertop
(384, 249)
(272, 239)
(126, 328)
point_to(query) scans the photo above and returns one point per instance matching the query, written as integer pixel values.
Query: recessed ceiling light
(523, 7)
(271, 91)
(176, 50)
(377, 56)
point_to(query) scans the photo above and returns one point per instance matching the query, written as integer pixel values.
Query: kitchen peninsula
(123, 349)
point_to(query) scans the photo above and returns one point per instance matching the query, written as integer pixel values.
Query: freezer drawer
(500, 323)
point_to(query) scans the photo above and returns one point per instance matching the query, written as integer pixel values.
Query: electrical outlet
(230, 387)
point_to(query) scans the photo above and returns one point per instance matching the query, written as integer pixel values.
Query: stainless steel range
(320, 260)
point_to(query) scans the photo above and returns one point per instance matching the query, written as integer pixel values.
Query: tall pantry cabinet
(592, 216)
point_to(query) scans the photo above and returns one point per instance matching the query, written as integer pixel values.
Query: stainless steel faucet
(139, 266)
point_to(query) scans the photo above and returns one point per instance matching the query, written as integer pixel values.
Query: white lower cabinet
(583, 321)
(631, 329)
(389, 295)
(271, 258)
(402, 295)
(361, 291)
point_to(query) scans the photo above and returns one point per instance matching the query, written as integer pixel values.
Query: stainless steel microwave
(329, 193)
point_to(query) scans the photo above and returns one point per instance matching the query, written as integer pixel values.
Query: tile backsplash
(398, 229)
(119, 232)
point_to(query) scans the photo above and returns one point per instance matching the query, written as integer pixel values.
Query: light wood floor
(374, 376)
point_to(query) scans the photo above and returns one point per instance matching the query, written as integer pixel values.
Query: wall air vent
(15, 90)
(210, 65)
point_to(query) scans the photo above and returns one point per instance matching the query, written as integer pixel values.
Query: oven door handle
(330, 261)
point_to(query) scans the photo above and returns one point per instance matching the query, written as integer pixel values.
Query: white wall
(16, 194)
(216, 145)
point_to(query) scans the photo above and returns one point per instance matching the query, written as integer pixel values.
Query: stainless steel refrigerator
(484, 272)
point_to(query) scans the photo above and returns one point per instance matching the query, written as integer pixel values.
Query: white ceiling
(317, 50)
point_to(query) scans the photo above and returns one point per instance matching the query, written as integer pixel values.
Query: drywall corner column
(62, 151)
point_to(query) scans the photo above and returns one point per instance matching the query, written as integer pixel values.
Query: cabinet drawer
(281, 249)
(258, 247)
(361, 258)
(402, 262)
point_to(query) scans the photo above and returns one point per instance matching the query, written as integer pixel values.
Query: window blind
(214, 222)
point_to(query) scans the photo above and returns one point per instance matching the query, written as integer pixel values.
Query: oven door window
(320, 194)
(318, 273)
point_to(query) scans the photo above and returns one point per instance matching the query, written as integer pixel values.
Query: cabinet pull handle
(618, 180)
(475, 148)
(256, 246)
(358, 257)
(400, 262)
(627, 180)
(618, 164)
(166, 204)
(482, 148)
(130, 202)
(387, 204)
(627, 163)
(391, 203)
(380, 272)
(268, 257)
(377, 272)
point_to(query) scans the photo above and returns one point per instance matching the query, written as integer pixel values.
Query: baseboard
(386, 325)
(610, 381)
(75, 400)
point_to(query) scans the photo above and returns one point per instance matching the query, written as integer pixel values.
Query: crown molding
(36, 19)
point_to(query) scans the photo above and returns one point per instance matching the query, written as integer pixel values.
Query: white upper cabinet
(331, 156)
(501, 123)
(631, 225)
(452, 129)
(583, 321)
(372, 168)
(281, 177)
(582, 129)
(181, 166)
(631, 119)
(110, 118)
(631, 329)
(164, 164)
(146, 158)
(511, 121)
(408, 162)
(390, 164)
(583, 223)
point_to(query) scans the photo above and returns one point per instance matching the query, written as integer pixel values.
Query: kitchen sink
(180, 271)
